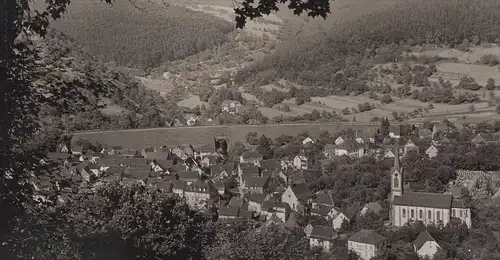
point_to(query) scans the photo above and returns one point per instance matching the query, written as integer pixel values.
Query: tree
(237, 149)
(490, 84)
(386, 99)
(265, 147)
(302, 97)
(252, 138)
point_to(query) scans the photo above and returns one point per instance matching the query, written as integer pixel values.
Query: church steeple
(396, 176)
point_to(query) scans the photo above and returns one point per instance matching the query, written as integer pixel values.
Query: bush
(489, 59)
(386, 99)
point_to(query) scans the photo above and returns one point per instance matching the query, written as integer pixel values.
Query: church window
(438, 216)
(453, 213)
(396, 181)
(404, 213)
(412, 213)
(421, 214)
(429, 214)
(465, 213)
(461, 213)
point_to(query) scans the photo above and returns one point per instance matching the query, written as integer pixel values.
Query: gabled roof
(301, 191)
(216, 169)
(256, 181)
(254, 155)
(57, 156)
(156, 155)
(188, 175)
(114, 170)
(236, 202)
(423, 237)
(424, 199)
(165, 164)
(251, 170)
(330, 148)
(270, 164)
(138, 174)
(323, 198)
(322, 210)
(424, 132)
(459, 203)
(367, 237)
(323, 233)
(255, 197)
(349, 144)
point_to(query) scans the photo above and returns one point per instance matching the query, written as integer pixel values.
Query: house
(424, 133)
(325, 211)
(439, 128)
(374, 207)
(366, 243)
(188, 176)
(255, 201)
(301, 162)
(272, 167)
(483, 138)
(199, 192)
(296, 196)
(247, 170)
(231, 106)
(203, 151)
(425, 245)
(410, 146)
(364, 137)
(351, 148)
(322, 199)
(191, 119)
(159, 156)
(62, 148)
(238, 202)
(340, 139)
(256, 184)
(395, 131)
(138, 174)
(307, 140)
(315, 221)
(280, 209)
(329, 151)
(432, 151)
(322, 237)
(162, 165)
(230, 212)
(251, 157)
(85, 172)
(340, 218)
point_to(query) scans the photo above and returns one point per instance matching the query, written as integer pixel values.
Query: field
(155, 137)
(454, 71)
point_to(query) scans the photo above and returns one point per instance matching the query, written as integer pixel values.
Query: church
(430, 208)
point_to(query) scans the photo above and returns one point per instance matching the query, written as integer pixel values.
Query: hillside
(97, 95)
(141, 36)
(349, 45)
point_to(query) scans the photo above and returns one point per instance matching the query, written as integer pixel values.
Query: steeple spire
(396, 166)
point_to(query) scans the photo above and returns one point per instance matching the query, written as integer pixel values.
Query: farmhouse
(322, 237)
(351, 148)
(366, 243)
(425, 245)
(230, 106)
(251, 157)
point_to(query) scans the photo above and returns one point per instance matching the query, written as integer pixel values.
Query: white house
(191, 119)
(301, 162)
(307, 140)
(230, 106)
(322, 237)
(425, 245)
(410, 146)
(432, 151)
(340, 140)
(366, 243)
(339, 219)
(351, 148)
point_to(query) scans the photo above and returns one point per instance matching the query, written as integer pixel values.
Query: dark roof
(131, 161)
(57, 156)
(236, 202)
(200, 186)
(164, 185)
(324, 233)
(114, 170)
(322, 210)
(270, 205)
(255, 197)
(349, 144)
(178, 184)
(188, 174)
(251, 155)
(156, 155)
(423, 237)
(216, 169)
(323, 198)
(93, 166)
(166, 164)
(367, 237)
(301, 191)
(138, 174)
(255, 181)
(459, 203)
(250, 170)
(424, 199)
(270, 164)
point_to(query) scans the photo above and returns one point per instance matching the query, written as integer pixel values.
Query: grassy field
(454, 71)
(140, 138)
(192, 102)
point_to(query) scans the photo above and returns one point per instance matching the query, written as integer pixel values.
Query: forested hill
(383, 34)
(144, 35)
(97, 96)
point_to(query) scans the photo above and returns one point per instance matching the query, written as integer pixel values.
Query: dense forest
(336, 58)
(142, 36)
(62, 65)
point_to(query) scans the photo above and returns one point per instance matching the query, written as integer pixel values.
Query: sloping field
(454, 71)
(472, 56)
(192, 102)
(140, 138)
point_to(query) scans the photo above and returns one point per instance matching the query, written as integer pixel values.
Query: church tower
(396, 176)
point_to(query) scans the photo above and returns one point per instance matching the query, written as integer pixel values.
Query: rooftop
(424, 199)
(324, 233)
(367, 237)
(423, 237)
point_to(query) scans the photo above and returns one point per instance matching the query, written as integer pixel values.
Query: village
(274, 191)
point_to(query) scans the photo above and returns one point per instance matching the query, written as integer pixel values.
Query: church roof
(423, 237)
(424, 199)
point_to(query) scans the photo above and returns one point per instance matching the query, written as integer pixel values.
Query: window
(465, 213)
(404, 213)
(461, 214)
(438, 216)
(396, 181)
(412, 213)
(429, 214)
(453, 213)
(420, 214)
